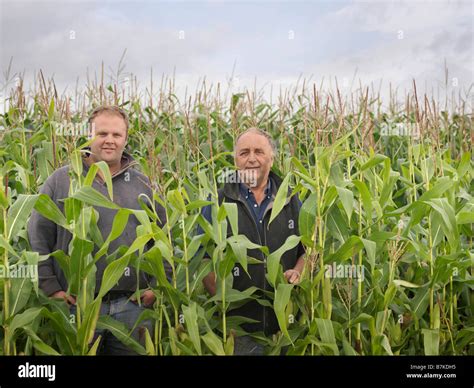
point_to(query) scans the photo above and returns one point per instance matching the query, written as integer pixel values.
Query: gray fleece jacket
(45, 236)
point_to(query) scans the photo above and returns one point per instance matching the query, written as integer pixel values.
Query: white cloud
(410, 16)
(328, 43)
(432, 33)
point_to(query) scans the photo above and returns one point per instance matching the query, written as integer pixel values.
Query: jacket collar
(245, 190)
(127, 162)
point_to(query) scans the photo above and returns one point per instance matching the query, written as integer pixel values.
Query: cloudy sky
(275, 42)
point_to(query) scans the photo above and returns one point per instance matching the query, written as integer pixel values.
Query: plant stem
(6, 289)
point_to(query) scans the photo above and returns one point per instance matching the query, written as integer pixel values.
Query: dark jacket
(45, 236)
(283, 226)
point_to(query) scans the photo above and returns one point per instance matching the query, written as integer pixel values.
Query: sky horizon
(234, 43)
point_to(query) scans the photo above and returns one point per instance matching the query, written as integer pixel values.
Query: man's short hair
(111, 110)
(259, 132)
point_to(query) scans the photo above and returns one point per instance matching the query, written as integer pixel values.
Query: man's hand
(147, 297)
(209, 282)
(69, 299)
(293, 276)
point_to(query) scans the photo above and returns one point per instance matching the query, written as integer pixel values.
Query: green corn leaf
(19, 213)
(347, 199)
(80, 250)
(85, 334)
(280, 199)
(191, 321)
(273, 260)
(307, 216)
(231, 211)
(92, 197)
(48, 209)
(449, 225)
(121, 332)
(282, 298)
(431, 342)
(104, 168)
(213, 343)
(326, 332)
(112, 274)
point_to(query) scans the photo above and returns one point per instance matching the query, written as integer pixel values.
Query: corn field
(387, 195)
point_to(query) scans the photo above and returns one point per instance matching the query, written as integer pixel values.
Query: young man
(109, 127)
(254, 194)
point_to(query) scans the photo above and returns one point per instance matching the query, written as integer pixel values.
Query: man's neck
(114, 168)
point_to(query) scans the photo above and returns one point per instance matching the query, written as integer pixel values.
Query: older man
(254, 194)
(109, 126)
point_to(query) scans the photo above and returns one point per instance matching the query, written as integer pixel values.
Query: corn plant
(386, 219)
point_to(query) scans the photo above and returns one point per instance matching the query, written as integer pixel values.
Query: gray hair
(261, 132)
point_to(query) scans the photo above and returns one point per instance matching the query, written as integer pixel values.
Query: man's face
(254, 158)
(111, 137)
